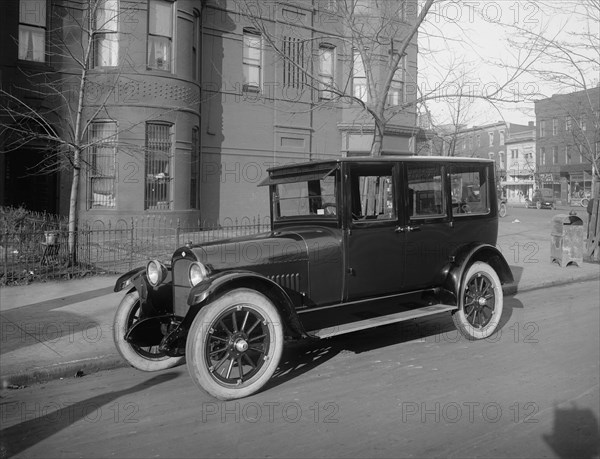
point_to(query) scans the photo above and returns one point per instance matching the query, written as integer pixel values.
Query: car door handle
(407, 229)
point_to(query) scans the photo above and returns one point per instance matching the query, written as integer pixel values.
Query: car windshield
(306, 198)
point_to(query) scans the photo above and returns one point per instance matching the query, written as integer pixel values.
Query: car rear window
(469, 185)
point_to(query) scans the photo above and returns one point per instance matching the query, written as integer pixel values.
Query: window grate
(158, 167)
(102, 161)
(293, 50)
(194, 170)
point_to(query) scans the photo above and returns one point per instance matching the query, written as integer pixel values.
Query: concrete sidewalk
(63, 329)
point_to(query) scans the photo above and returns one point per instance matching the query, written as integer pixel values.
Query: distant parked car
(542, 199)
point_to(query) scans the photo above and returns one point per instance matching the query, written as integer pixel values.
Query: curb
(40, 375)
(72, 369)
(513, 289)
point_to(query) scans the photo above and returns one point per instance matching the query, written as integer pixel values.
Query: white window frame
(359, 77)
(568, 123)
(106, 34)
(160, 50)
(32, 30)
(326, 72)
(542, 156)
(252, 60)
(396, 92)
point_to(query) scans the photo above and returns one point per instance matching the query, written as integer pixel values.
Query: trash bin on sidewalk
(567, 240)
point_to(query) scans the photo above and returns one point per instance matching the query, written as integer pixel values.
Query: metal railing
(36, 253)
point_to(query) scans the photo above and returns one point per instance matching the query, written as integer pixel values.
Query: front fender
(454, 272)
(153, 300)
(201, 294)
(128, 278)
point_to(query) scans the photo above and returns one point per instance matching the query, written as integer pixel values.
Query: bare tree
(59, 120)
(566, 57)
(375, 35)
(60, 109)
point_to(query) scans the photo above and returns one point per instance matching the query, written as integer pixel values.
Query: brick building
(519, 182)
(185, 103)
(568, 142)
(490, 141)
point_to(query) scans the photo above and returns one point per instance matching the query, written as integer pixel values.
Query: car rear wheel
(142, 358)
(538, 205)
(234, 344)
(584, 202)
(481, 302)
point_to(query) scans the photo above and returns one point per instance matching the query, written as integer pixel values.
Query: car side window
(373, 194)
(469, 186)
(426, 196)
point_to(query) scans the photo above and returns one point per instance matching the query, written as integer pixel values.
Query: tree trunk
(377, 145)
(73, 208)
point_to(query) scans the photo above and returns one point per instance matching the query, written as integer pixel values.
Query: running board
(381, 320)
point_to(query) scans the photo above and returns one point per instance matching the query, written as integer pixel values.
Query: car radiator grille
(181, 286)
(291, 281)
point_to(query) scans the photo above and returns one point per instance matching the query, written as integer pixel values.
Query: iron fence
(35, 253)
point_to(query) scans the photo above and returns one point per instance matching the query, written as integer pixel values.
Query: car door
(426, 224)
(374, 248)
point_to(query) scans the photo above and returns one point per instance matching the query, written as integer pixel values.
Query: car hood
(267, 250)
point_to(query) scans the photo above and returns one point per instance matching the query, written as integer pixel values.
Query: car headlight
(156, 272)
(198, 273)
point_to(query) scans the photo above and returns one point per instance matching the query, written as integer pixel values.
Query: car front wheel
(538, 205)
(234, 344)
(142, 358)
(481, 302)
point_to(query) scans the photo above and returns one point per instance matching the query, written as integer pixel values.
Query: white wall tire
(481, 302)
(234, 344)
(142, 358)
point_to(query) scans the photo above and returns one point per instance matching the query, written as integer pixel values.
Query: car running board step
(381, 320)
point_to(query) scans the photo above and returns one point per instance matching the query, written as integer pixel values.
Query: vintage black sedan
(354, 243)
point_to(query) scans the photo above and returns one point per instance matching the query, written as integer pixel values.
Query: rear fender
(454, 271)
(205, 292)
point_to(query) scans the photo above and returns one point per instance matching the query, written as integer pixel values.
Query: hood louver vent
(291, 281)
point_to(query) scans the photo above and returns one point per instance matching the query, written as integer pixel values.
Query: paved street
(407, 390)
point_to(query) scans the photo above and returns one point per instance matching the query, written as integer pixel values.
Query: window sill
(46, 66)
(162, 71)
(251, 89)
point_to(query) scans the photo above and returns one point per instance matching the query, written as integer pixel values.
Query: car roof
(378, 159)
